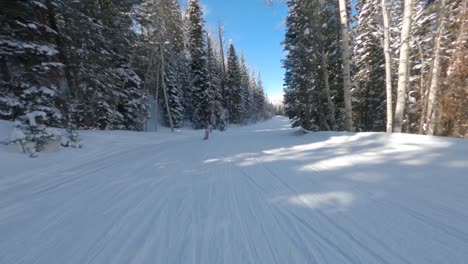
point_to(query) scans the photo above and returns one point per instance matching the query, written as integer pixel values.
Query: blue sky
(257, 29)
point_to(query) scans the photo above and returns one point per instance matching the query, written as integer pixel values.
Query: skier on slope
(207, 131)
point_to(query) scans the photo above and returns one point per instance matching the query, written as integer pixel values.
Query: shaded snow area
(256, 194)
(6, 129)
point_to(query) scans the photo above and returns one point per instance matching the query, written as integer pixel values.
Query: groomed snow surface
(255, 194)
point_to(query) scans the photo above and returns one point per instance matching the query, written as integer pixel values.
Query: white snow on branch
(35, 114)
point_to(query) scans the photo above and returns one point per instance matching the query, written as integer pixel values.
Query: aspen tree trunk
(220, 33)
(331, 106)
(434, 87)
(423, 92)
(388, 67)
(346, 65)
(403, 67)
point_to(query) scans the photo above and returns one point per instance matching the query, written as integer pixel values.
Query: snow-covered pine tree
(119, 38)
(214, 70)
(223, 115)
(132, 101)
(99, 50)
(253, 89)
(327, 28)
(292, 100)
(148, 17)
(260, 99)
(270, 108)
(302, 94)
(99, 45)
(233, 85)
(185, 79)
(82, 28)
(246, 91)
(71, 138)
(197, 48)
(31, 74)
(30, 70)
(10, 47)
(222, 61)
(369, 106)
(175, 27)
(172, 33)
(174, 91)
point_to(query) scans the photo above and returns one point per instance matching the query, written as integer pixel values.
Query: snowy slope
(256, 194)
(5, 130)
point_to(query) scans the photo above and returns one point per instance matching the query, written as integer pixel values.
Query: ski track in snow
(254, 194)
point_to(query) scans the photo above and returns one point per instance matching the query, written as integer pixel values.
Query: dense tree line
(407, 63)
(97, 64)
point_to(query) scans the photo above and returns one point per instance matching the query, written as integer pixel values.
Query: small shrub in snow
(32, 136)
(18, 137)
(223, 120)
(71, 140)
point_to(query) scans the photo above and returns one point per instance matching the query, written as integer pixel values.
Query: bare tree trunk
(163, 82)
(61, 48)
(331, 106)
(434, 87)
(346, 65)
(221, 47)
(388, 67)
(403, 67)
(156, 98)
(423, 92)
(5, 73)
(151, 78)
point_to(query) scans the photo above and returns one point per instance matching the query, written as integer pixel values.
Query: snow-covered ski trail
(254, 194)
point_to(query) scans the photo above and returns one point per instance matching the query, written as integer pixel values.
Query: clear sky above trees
(258, 29)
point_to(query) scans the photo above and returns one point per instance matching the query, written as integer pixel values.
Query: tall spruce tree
(197, 48)
(260, 100)
(214, 72)
(302, 92)
(370, 105)
(233, 86)
(253, 92)
(246, 92)
(31, 84)
(174, 60)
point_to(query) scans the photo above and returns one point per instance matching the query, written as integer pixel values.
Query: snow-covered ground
(256, 194)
